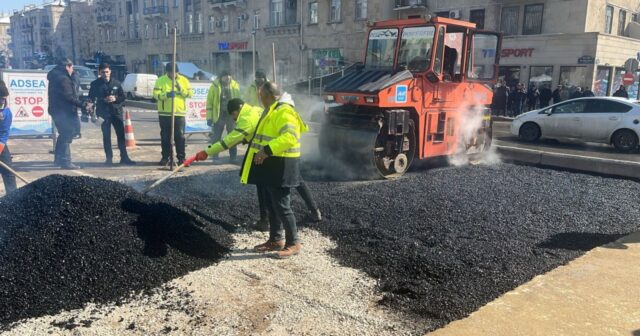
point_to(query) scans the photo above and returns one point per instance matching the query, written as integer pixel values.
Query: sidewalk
(596, 294)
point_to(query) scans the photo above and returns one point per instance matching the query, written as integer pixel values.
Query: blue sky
(10, 5)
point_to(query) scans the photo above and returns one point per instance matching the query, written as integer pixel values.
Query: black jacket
(621, 93)
(101, 89)
(63, 96)
(545, 96)
(500, 97)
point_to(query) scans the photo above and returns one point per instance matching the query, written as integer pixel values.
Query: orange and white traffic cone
(129, 139)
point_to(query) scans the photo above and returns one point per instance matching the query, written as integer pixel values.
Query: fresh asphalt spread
(66, 241)
(441, 242)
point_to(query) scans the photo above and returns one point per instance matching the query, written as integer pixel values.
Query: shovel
(3, 165)
(158, 182)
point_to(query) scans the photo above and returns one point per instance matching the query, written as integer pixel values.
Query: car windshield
(415, 48)
(85, 73)
(381, 48)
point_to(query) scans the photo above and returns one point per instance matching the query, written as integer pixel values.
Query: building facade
(55, 29)
(5, 40)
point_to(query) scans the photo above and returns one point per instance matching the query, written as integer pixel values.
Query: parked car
(609, 120)
(139, 85)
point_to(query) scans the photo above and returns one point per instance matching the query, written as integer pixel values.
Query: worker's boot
(270, 246)
(261, 225)
(289, 251)
(317, 215)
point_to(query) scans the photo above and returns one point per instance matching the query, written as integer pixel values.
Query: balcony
(228, 3)
(106, 18)
(410, 4)
(156, 10)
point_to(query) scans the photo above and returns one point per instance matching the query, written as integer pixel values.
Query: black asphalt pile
(443, 242)
(66, 241)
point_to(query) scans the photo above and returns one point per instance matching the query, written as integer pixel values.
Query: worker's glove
(2, 147)
(171, 94)
(209, 122)
(201, 156)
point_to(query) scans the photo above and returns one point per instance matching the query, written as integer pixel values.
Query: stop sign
(37, 111)
(627, 79)
(203, 113)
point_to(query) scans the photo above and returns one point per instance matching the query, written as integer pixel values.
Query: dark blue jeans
(302, 189)
(7, 177)
(281, 215)
(66, 125)
(225, 121)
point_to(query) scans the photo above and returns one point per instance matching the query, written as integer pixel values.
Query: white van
(139, 85)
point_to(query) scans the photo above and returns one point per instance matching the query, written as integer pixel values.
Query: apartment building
(588, 43)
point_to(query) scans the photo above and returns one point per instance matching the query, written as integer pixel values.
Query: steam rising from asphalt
(470, 121)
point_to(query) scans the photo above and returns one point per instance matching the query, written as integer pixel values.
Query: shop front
(589, 60)
(235, 57)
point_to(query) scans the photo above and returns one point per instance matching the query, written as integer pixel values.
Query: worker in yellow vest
(166, 95)
(273, 162)
(246, 118)
(251, 95)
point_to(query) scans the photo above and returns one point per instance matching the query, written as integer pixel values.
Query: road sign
(627, 79)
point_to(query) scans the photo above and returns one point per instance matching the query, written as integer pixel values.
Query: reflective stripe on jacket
(213, 98)
(245, 128)
(280, 130)
(163, 87)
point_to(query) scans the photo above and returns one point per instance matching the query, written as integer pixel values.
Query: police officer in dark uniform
(109, 97)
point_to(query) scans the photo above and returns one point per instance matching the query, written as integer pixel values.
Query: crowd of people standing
(512, 102)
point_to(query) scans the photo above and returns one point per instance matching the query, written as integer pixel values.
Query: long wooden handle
(156, 183)
(14, 172)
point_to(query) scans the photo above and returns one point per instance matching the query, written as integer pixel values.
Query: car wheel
(529, 132)
(625, 140)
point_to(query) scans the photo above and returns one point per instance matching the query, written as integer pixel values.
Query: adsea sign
(196, 118)
(28, 102)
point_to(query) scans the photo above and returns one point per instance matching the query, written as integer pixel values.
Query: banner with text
(28, 101)
(196, 118)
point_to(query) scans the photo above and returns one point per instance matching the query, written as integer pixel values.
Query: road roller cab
(424, 91)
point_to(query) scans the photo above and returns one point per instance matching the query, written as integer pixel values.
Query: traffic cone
(129, 139)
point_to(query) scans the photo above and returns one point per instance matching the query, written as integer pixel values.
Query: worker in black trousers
(109, 97)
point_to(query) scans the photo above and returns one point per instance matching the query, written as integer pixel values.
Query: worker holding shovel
(5, 156)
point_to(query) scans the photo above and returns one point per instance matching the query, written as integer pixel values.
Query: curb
(611, 167)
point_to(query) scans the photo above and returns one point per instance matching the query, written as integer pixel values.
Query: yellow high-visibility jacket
(245, 128)
(163, 87)
(278, 133)
(213, 98)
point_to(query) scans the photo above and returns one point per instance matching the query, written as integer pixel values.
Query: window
(361, 9)
(540, 76)
(532, 23)
(482, 57)
(291, 12)
(622, 22)
(477, 16)
(444, 14)
(313, 13)
(509, 20)
(606, 106)
(146, 32)
(572, 76)
(188, 24)
(415, 48)
(335, 14)
(166, 29)
(256, 21)
(437, 63)
(176, 3)
(212, 23)
(602, 82)
(276, 11)
(198, 23)
(225, 23)
(608, 19)
(381, 48)
(571, 107)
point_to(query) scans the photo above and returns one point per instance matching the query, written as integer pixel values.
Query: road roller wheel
(396, 165)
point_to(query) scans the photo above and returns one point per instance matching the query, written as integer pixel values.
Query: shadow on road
(579, 241)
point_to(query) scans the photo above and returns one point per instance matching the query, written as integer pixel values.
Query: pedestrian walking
(556, 94)
(221, 91)
(621, 92)
(545, 95)
(517, 100)
(500, 99)
(109, 97)
(6, 117)
(166, 95)
(251, 93)
(63, 108)
(272, 161)
(532, 97)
